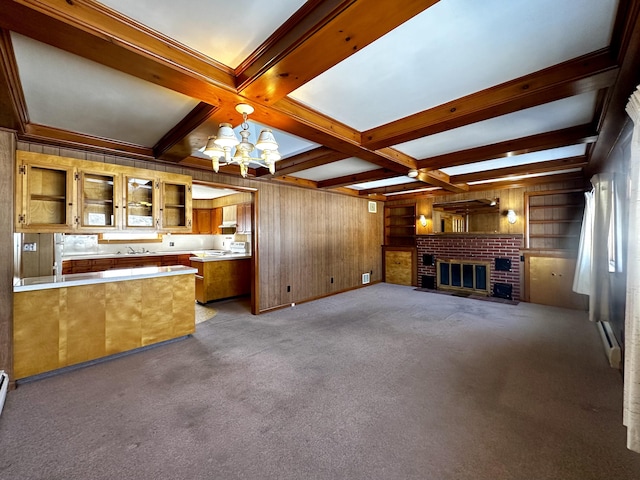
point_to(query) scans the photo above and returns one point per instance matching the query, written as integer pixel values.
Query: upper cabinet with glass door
(141, 203)
(59, 194)
(45, 194)
(176, 206)
(98, 200)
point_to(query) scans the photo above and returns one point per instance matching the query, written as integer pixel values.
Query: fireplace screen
(462, 275)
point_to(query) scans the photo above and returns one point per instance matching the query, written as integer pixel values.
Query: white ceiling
(452, 49)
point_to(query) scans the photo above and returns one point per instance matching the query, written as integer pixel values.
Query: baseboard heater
(4, 386)
(611, 346)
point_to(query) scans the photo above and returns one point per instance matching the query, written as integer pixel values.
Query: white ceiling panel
(348, 166)
(524, 159)
(387, 182)
(224, 31)
(568, 112)
(68, 92)
(453, 49)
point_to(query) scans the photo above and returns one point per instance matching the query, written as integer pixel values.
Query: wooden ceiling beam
(529, 169)
(587, 73)
(370, 176)
(173, 146)
(319, 36)
(440, 179)
(303, 161)
(533, 143)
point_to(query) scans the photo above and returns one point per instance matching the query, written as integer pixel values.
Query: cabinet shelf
(48, 198)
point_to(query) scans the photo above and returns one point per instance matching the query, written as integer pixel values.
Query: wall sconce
(423, 220)
(511, 216)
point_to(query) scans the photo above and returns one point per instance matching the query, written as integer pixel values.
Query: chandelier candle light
(219, 147)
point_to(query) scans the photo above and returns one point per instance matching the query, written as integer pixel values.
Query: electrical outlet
(171, 244)
(30, 247)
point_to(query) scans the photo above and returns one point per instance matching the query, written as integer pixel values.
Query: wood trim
(583, 74)
(65, 138)
(533, 143)
(440, 179)
(171, 146)
(531, 168)
(337, 28)
(7, 172)
(255, 254)
(13, 107)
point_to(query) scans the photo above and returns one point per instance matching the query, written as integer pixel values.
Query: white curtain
(631, 414)
(582, 277)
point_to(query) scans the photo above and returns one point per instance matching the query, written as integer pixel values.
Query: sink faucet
(131, 250)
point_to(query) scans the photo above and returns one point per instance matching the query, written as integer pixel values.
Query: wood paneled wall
(304, 238)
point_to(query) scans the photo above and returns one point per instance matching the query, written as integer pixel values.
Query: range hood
(229, 218)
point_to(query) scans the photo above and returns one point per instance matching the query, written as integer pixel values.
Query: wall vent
(366, 278)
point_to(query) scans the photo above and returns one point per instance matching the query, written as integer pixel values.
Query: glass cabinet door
(49, 197)
(97, 200)
(176, 206)
(140, 203)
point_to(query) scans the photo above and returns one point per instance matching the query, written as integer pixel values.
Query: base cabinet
(400, 265)
(220, 279)
(59, 327)
(549, 281)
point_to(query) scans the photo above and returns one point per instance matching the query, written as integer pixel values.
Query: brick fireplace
(500, 251)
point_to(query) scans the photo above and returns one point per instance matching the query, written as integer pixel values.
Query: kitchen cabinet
(222, 278)
(98, 201)
(202, 221)
(243, 218)
(67, 195)
(176, 206)
(125, 261)
(62, 326)
(206, 221)
(45, 195)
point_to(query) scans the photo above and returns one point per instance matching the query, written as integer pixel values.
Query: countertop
(194, 253)
(119, 275)
(218, 258)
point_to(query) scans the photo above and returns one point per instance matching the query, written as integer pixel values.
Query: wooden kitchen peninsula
(71, 319)
(222, 276)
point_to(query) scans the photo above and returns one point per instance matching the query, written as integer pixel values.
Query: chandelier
(219, 146)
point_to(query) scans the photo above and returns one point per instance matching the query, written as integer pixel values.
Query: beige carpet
(381, 383)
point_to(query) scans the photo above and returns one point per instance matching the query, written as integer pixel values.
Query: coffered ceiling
(358, 92)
